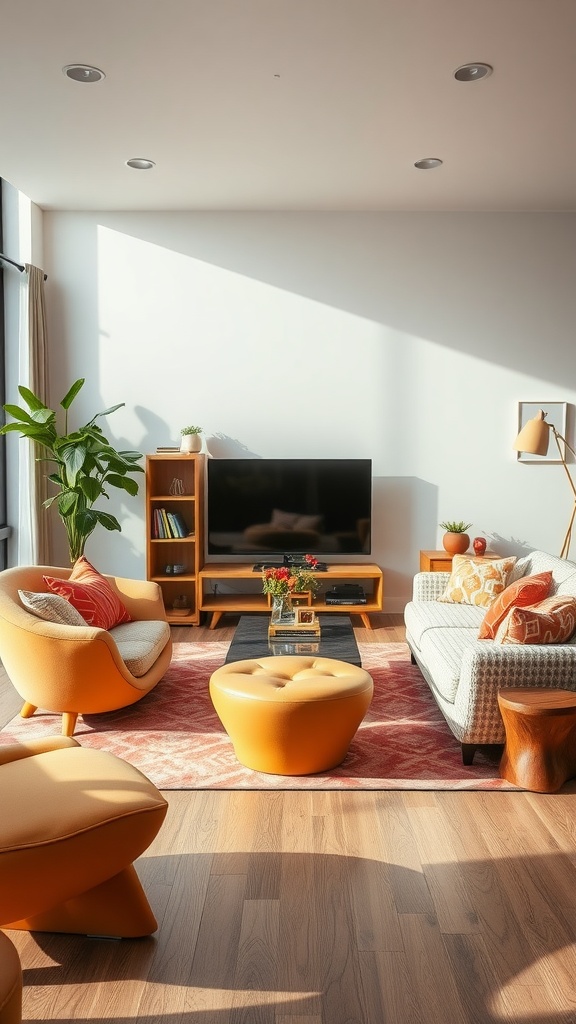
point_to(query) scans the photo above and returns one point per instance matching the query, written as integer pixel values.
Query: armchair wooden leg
(28, 710)
(69, 722)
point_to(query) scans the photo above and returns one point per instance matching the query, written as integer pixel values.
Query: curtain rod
(18, 266)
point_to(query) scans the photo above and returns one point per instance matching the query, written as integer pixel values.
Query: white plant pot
(191, 443)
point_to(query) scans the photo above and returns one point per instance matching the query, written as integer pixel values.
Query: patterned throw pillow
(51, 607)
(91, 594)
(553, 621)
(477, 581)
(525, 591)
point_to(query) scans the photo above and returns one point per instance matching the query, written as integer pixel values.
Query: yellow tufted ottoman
(291, 715)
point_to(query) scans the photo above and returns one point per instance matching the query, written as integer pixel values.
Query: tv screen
(264, 507)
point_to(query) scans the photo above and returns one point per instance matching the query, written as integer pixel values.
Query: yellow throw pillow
(477, 581)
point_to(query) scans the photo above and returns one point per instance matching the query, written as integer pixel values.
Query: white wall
(406, 338)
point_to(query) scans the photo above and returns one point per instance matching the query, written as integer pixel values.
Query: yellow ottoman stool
(291, 715)
(10, 983)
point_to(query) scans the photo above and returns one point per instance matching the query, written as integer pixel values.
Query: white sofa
(464, 673)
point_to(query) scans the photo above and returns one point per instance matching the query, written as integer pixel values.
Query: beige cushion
(140, 643)
(51, 607)
(477, 581)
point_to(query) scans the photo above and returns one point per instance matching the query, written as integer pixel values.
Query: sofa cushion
(140, 643)
(442, 651)
(477, 581)
(525, 591)
(563, 571)
(420, 616)
(91, 595)
(552, 621)
(51, 607)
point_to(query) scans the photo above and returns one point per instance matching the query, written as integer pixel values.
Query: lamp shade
(534, 436)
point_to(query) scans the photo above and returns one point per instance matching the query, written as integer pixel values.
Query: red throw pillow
(91, 594)
(553, 621)
(525, 591)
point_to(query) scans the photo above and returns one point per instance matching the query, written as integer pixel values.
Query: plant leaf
(72, 457)
(107, 521)
(90, 487)
(123, 482)
(71, 394)
(32, 401)
(18, 413)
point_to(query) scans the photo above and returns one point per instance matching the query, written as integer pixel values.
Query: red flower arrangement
(290, 579)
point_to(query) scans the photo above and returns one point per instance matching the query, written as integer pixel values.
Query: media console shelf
(216, 574)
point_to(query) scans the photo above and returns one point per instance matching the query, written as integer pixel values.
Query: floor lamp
(534, 438)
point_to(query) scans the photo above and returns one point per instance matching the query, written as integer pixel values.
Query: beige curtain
(37, 523)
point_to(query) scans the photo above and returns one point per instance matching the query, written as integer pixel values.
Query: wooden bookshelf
(162, 553)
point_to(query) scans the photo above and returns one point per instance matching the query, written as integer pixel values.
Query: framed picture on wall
(556, 415)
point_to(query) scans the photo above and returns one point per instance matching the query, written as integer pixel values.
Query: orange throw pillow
(91, 594)
(525, 591)
(477, 581)
(553, 621)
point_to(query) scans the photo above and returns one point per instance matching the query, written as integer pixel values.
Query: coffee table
(337, 640)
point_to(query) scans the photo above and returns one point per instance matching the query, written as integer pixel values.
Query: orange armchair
(73, 821)
(72, 670)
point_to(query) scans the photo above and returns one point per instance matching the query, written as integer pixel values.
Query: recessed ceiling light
(83, 73)
(472, 72)
(140, 163)
(428, 163)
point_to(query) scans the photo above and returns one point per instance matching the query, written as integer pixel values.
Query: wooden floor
(334, 908)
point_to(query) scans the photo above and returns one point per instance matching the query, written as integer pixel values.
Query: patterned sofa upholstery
(464, 673)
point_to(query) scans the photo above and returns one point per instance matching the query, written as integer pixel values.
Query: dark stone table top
(337, 640)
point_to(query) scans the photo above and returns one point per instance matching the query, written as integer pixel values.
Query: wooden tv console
(214, 574)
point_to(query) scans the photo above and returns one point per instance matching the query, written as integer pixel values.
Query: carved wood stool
(540, 724)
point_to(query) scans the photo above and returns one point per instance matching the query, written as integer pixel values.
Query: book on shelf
(167, 448)
(168, 525)
(177, 525)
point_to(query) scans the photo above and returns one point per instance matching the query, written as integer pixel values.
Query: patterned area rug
(174, 736)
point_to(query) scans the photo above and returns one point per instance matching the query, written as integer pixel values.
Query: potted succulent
(84, 462)
(456, 540)
(191, 440)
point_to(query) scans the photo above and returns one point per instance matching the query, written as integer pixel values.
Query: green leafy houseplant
(451, 527)
(190, 430)
(85, 464)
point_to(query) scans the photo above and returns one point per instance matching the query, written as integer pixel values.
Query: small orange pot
(456, 543)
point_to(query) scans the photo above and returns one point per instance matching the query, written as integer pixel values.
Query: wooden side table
(441, 561)
(540, 750)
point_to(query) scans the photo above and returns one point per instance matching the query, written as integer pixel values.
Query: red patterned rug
(174, 736)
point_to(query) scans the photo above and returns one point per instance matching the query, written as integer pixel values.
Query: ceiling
(290, 104)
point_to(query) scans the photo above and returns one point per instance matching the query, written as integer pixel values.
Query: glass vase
(282, 611)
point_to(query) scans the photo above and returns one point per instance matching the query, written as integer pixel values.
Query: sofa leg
(27, 710)
(468, 751)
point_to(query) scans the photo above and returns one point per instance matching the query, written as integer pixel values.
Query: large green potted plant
(85, 464)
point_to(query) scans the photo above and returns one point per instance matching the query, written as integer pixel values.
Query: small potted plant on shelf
(191, 440)
(456, 540)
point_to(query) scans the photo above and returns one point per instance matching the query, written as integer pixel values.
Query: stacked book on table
(168, 525)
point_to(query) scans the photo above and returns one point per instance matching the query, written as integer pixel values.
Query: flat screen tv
(272, 507)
